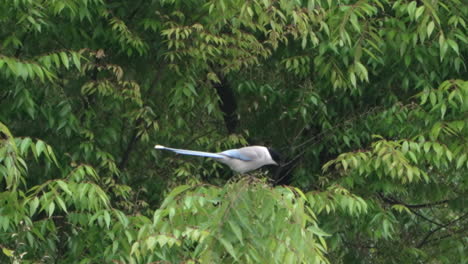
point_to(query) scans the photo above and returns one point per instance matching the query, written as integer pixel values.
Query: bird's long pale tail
(191, 152)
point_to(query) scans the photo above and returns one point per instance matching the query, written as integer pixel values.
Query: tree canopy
(367, 101)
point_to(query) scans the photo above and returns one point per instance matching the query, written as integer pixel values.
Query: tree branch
(416, 206)
(133, 139)
(446, 236)
(427, 219)
(227, 103)
(428, 235)
(393, 201)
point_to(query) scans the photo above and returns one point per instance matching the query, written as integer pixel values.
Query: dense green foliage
(366, 100)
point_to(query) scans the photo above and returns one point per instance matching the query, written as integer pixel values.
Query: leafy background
(366, 100)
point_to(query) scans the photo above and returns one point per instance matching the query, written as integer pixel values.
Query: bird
(241, 160)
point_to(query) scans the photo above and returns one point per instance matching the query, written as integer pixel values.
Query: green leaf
(40, 147)
(107, 218)
(65, 60)
(56, 59)
(237, 231)
(453, 45)
(443, 46)
(405, 147)
(318, 231)
(435, 131)
(134, 249)
(352, 78)
(178, 190)
(438, 149)
(430, 28)
(449, 155)
(34, 203)
(412, 8)
(61, 203)
(64, 187)
(433, 98)
(443, 110)
(151, 242)
(289, 258)
(51, 209)
(409, 174)
(419, 12)
(228, 246)
(8, 252)
(76, 60)
(413, 157)
(461, 161)
(25, 143)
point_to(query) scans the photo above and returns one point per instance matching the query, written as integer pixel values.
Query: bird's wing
(192, 152)
(240, 154)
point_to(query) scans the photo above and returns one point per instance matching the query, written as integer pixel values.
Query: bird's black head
(275, 155)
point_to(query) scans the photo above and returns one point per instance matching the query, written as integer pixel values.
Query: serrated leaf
(438, 149)
(61, 203)
(413, 157)
(430, 28)
(289, 258)
(404, 147)
(449, 155)
(228, 246)
(461, 161)
(162, 240)
(427, 146)
(453, 45)
(150, 242)
(65, 60)
(412, 8)
(409, 173)
(25, 143)
(64, 187)
(7, 252)
(76, 60)
(134, 249)
(51, 209)
(38, 71)
(436, 130)
(433, 98)
(237, 231)
(178, 190)
(443, 110)
(419, 12)
(34, 203)
(344, 163)
(40, 147)
(352, 78)
(318, 231)
(107, 218)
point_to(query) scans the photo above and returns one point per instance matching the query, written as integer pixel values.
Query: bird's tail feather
(191, 152)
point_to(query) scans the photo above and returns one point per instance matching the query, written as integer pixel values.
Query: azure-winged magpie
(241, 160)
